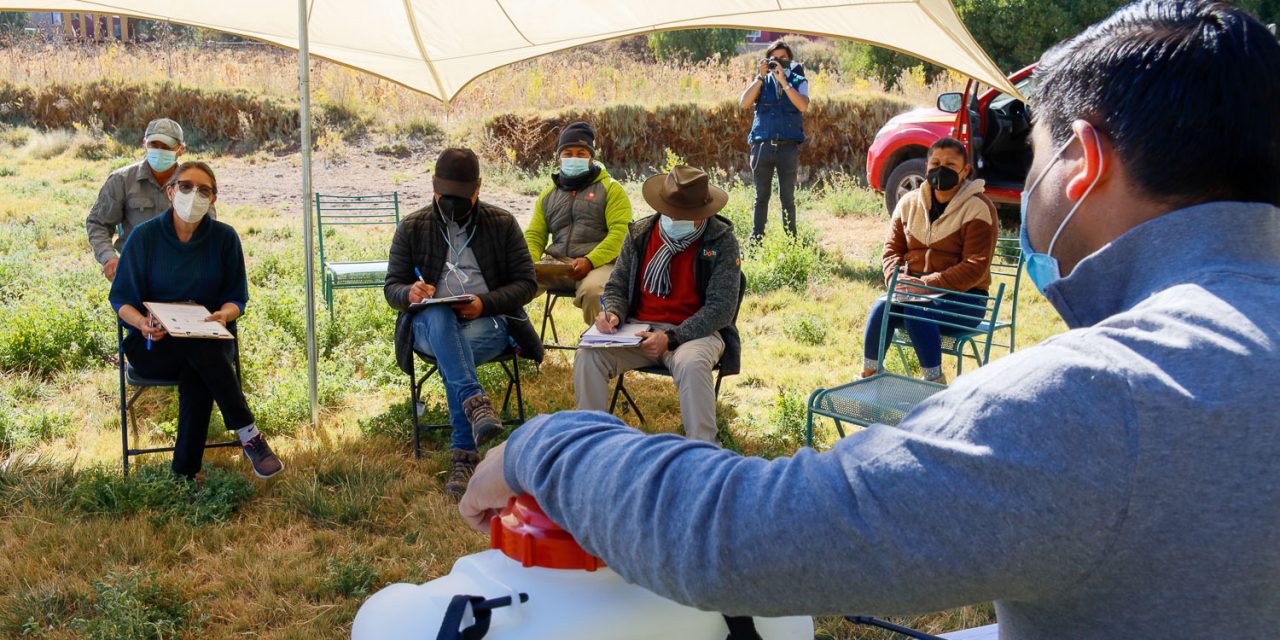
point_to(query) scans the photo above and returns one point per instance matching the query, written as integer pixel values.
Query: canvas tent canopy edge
(439, 47)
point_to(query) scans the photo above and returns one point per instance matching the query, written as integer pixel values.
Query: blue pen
(148, 332)
(418, 273)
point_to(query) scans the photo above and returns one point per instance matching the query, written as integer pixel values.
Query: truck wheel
(905, 178)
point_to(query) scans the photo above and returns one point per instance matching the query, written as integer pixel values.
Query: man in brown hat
(678, 272)
(461, 246)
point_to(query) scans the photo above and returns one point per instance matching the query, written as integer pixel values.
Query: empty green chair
(334, 211)
(886, 398)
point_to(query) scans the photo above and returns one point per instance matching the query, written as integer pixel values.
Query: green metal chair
(1006, 263)
(886, 398)
(333, 211)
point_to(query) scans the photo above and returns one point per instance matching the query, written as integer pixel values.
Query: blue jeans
(926, 337)
(458, 345)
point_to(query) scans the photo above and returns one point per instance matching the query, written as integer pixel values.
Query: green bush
(50, 334)
(351, 577)
(807, 329)
(33, 613)
(779, 261)
(154, 490)
(783, 428)
(134, 606)
(24, 424)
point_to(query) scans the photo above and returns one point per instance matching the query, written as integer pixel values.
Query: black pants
(767, 158)
(206, 373)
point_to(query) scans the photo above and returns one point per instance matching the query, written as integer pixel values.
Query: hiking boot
(462, 465)
(485, 424)
(265, 463)
(942, 379)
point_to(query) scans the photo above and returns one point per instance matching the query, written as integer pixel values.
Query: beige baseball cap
(164, 130)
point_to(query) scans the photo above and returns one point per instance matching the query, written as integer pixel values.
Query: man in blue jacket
(1118, 480)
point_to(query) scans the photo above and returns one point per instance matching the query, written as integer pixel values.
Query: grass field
(85, 554)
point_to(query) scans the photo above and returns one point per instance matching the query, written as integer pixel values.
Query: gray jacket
(129, 197)
(1118, 480)
(717, 270)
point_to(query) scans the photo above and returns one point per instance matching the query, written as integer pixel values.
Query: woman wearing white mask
(183, 255)
(580, 220)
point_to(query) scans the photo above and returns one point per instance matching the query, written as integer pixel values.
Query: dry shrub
(234, 120)
(634, 139)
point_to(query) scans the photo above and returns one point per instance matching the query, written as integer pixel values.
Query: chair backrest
(1007, 263)
(988, 306)
(374, 209)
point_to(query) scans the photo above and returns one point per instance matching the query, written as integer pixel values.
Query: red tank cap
(528, 536)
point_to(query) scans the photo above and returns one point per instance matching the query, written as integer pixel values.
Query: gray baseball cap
(164, 130)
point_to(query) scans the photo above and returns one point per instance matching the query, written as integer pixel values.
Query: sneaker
(942, 379)
(485, 424)
(462, 465)
(265, 462)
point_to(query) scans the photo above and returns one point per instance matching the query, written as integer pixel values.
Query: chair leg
(808, 428)
(719, 379)
(634, 407)
(413, 410)
(519, 391)
(124, 421)
(551, 307)
(840, 428)
(546, 315)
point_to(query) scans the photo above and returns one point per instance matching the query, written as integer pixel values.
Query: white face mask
(677, 229)
(192, 206)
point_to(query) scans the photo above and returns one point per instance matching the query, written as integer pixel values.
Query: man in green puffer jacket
(580, 221)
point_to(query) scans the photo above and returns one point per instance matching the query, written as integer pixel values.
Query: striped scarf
(657, 275)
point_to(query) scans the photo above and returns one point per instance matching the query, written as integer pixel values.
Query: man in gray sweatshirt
(1118, 480)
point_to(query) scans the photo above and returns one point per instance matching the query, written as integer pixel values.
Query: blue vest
(776, 118)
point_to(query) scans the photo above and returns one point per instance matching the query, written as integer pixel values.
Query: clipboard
(187, 320)
(418, 306)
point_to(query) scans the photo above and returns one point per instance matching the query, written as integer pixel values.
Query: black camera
(774, 63)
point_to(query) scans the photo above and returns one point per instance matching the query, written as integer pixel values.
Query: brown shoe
(942, 379)
(485, 424)
(462, 465)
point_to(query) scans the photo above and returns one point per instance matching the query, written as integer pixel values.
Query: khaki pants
(691, 368)
(587, 292)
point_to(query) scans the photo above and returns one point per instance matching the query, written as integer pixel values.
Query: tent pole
(304, 113)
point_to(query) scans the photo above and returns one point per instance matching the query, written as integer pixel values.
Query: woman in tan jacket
(944, 234)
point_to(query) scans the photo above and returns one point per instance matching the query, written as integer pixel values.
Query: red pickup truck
(994, 127)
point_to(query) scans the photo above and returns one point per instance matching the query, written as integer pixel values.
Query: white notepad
(626, 336)
(187, 320)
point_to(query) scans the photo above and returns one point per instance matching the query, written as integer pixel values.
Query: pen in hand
(148, 331)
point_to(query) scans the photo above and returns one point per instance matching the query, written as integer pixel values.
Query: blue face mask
(574, 167)
(677, 229)
(161, 159)
(1043, 268)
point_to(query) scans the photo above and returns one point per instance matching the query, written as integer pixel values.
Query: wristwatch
(672, 343)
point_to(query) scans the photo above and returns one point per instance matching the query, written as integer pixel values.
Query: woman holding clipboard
(183, 255)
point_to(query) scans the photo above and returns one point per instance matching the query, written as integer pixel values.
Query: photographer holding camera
(780, 95)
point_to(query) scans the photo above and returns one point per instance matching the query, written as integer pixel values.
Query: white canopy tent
(439, 46)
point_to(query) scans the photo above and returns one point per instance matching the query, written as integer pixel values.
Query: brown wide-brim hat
(684, 194)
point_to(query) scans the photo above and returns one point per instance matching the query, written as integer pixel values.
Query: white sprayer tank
(571, 595)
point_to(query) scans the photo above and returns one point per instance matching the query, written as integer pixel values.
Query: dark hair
(194, 164)
(1173, 82)
(952, 144)
(778, 44)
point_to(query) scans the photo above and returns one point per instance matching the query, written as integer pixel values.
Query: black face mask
(943, 178)
(455, 208)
